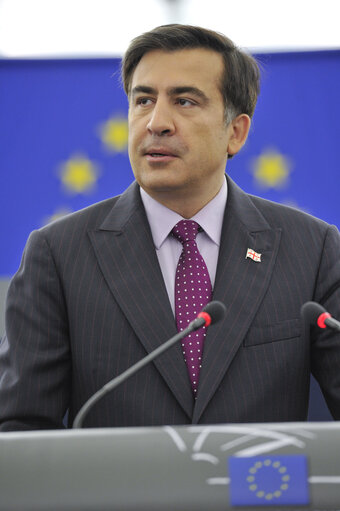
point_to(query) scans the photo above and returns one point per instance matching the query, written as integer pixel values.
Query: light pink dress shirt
(168, 248)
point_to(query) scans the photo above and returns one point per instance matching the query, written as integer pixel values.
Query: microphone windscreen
(216, 310)
(311, 311)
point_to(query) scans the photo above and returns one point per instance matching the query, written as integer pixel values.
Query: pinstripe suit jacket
(89, 300)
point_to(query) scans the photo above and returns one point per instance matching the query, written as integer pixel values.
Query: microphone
(317, 315)
(210, 314)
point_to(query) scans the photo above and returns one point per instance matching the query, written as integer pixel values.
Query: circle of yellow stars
(79, 174)
(261, 493)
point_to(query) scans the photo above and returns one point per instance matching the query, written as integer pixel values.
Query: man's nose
(161, 121)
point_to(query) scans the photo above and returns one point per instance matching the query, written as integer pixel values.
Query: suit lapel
(240, 284)
(127, 258)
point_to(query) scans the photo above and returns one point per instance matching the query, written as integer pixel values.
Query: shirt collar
(162, 219)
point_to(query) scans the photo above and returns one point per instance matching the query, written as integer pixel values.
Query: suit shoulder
(90, 217)
(280, 215)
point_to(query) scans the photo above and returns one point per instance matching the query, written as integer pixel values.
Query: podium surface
(159, 468)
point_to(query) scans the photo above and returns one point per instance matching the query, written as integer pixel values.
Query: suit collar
(128, 204)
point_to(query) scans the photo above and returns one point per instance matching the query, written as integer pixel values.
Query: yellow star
(114, 134)
(271, 169)
(79, 174)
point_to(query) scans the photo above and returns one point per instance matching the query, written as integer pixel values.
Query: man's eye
(185, 102)
(144, 101)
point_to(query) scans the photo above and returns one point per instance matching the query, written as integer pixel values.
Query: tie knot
(185, 230)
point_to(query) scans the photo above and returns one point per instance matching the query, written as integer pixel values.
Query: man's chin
(165, 187)
(161, 179)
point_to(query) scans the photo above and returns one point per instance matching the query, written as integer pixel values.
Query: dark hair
(240, 81)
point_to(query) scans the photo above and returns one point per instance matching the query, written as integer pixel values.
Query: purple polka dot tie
(192, 292)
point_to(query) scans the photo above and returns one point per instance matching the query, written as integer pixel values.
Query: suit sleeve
(35, 354)
(325, 347)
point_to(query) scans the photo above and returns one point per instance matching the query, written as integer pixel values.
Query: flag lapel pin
(255, 256)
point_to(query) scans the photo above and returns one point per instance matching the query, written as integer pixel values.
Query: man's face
(178, 140)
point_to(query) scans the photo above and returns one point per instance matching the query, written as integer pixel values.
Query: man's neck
(185, 206)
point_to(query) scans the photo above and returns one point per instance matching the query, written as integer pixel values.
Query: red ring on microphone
(321, 319)
(206, 317)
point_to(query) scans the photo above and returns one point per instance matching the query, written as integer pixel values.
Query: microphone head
(216, 311)
(312, 311)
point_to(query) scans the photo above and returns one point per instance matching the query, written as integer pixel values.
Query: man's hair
(240, 81)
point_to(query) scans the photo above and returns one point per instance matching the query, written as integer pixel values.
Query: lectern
(166, 468)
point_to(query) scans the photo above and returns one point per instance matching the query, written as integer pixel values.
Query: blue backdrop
(63, 138)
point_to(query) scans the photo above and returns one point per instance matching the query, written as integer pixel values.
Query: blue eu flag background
(63, 140)
(269, 480)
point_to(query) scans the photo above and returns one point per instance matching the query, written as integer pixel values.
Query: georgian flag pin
(255, 256)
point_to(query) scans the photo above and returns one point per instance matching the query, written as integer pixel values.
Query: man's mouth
(159, 155)
(159, 152)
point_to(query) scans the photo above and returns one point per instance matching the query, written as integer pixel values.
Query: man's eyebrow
(144, 89)
(185, 89)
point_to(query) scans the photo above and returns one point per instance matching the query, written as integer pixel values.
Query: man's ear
(239, 129)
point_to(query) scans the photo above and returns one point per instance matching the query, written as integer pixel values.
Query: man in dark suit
(95, 290)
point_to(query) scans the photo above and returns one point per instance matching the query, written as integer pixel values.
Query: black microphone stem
(112, 384)
(332, 323)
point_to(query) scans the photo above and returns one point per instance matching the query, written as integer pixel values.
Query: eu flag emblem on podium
(268, 480)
